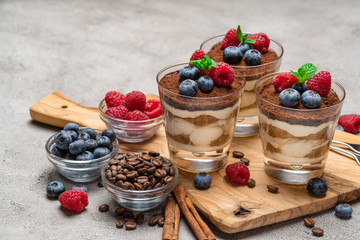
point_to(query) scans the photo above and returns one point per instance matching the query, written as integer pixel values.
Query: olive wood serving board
(222, 200)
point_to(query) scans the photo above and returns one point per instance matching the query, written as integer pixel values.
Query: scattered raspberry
(350, 123)
(135, 100)
(230, 39)
(74, 200)
(117, 112)
(262, 42)
(153, 108)
(320, 83)
(284, 81)
(114, 99)
(136, 115)
(222, 75)
(237, 173)
(197, 55)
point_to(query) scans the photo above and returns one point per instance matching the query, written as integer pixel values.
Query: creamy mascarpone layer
(247, 99)
(196, 148)
(250, 85)
(293, 160)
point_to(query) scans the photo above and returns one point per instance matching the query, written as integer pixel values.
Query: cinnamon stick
(168, 228)
(176, 222)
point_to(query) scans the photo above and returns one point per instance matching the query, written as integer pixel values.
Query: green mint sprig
(204, 64)
(305, 72)
(243, 37)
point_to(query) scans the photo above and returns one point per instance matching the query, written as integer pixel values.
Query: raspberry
(350, 122)
(284, 81)
(230, 39)
(153, 108)
(222, 75)
(135, 100)
(117, 112)
(262, 42)
(197, 55)
(74, 200)
(136, 116)
(320, 83)
(237, 173)
(114, 99)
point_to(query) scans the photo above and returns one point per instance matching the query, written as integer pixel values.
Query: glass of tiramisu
(297, 121)
(199, 126)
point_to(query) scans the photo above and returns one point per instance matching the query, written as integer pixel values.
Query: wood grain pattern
(222, 199)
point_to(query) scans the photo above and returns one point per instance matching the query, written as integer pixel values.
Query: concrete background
(86, 48)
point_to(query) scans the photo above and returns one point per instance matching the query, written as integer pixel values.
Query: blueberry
(77, 147)
(252, 57)
(317, 187)
(56, 151)
(72, 126)
(343, 210)
(109, 133)
(311, 99)
(90, 131)
(202, 181)
(69, 156)
(84, 136)
(91, 145)
(189, 72)
(244, 47)
(110, 147)
(86, 155)
(79, 186)
(103, 141)
(205, 84)
(63, 140)
(100, 152)
(300, 87)
(72, 133)
(188, 87)
(289, 97)
(232, 55)
(54, 189)
(339, 127)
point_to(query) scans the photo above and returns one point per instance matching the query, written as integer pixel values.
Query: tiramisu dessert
(200, 102)
(298, 112)
(254, 55)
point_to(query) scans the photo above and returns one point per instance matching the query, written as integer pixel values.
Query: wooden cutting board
(220, 202)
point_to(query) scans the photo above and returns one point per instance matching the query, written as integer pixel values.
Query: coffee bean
(138, 186)
(130, 225)
(157, 185)
(142, 179)
(124, 185)
(152, 170)
(103, 208)
(168, 179)
(157, 163)
(154, 154)
(238, 154)
(113, 173)
(309, 222)
(120, 223)
(100, 183)
(272, 189)
(146, 157)
(142, 170)
(128, 214)
(131, 174)
(245, 161)
(121, 177)
(140, 218)
(251, 183)
(153, 220)
(317, 231)
(119, 211)
(140, 165)
(131, 186)
(113, 162)
(172, 171)
(161, 221)
(113, 167)
(158, 173)
(134, 163)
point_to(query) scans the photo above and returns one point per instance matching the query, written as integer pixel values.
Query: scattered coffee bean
(251, 183)
(317, 232)
(309, 222)
(120, 223)
(100, 183)
(140, 218)
(131, 225)
(128, 214)
(161, 221)
(272, 189)
(153, 220)
(238, 154)
(119, 211)
(103, 208)
(245, 161)
(154, 154)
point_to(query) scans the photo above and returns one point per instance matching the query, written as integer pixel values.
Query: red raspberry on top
(262, 42)
(284, 81)
(135, 100)
(114, 99)
(197, 55)
(230, 39)
(350, 123)
(320, 83)
(238, 173)
(222, 75)
(117, 112)
(74, 200)
(136, 115)
(153, 108)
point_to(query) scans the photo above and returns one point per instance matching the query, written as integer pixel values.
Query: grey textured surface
(86, 48)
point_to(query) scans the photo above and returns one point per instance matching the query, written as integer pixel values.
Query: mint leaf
(204, 64)
(243, 37)
(249, 41)
(305, 72)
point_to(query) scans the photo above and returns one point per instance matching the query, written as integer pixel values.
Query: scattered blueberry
(103, 141)
(86, 155)
(343, 210)
(109, 133)
(311, 99)
(77, 147)
(54, 189)
(91, 132)
(72, 126)
(202, 181)
(244, 47)
(56, 151)
(289, 97)
(100, 152)
(63, 140)
(79, 186)
(317, 187)
(84, 136)
(339, 127)
(232, 55)
(252, 57)
(300, 87)
(188, 87)
(69, 156)
(205, 84)
(91, 145)
(189, 72)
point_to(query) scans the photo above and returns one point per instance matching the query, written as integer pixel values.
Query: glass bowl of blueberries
(79, 154)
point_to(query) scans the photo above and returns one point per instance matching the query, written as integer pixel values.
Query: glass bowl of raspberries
(134, 117)
(79, 154)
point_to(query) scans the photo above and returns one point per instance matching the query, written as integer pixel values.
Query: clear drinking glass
(247, 122)
(296, 141)
(198, 130)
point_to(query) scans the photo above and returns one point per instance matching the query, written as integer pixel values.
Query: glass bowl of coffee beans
(79, 154)
(139, 181)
